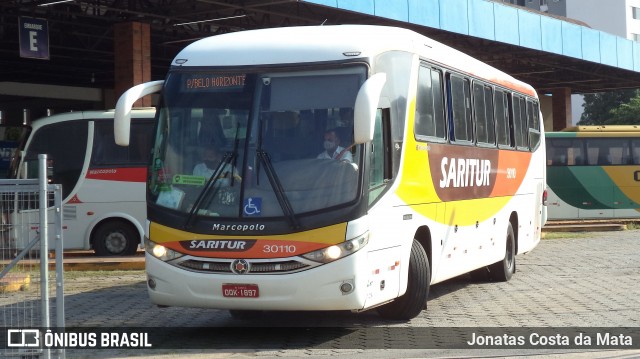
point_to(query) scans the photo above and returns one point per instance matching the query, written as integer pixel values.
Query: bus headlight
(337, 251)
(159, 251)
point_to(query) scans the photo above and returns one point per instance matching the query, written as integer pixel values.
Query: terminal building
(70, 55)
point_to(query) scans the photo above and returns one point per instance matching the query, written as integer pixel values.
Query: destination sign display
(211, 82)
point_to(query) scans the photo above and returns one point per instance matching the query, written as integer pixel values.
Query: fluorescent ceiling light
(55, 2)
(220, 18)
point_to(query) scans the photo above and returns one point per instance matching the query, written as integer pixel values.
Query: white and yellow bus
(444, 174)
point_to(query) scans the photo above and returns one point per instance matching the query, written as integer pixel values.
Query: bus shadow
(127, 309)
(129, 306)
(452, 285)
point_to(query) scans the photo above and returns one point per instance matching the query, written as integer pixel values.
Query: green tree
(598, 106)
(626, 114)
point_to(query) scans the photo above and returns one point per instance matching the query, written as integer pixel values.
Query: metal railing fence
(30, 210)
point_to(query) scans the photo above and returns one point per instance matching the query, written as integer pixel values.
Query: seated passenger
(210, 161)
(332, 147)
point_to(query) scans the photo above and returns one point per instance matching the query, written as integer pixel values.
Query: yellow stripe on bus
(624, 179)
(327, 235)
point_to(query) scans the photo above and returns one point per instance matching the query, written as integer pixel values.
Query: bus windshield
(271, 144)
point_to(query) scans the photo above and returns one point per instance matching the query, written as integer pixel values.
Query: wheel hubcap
(509, 254)
(115, 242)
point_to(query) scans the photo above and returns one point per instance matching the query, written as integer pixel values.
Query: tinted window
(65, 144)
(461, 109)
(502, 118)
(635, 149)
(565, 152)
(607, 151)
(483, 110)
(107, 153)
(430, 120)
(533, 113)
(520, 122)
(379, 159)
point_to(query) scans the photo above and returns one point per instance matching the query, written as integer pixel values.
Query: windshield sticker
(252, 206)
(189, 180)
(170, 199)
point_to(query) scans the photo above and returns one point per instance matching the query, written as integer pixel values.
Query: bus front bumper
(317, 288)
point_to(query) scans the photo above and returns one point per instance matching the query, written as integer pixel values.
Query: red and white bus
(445, 173)
(103, 185)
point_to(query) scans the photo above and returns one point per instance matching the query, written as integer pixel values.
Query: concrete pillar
(132, 51)
(546, 107)
(561, 99)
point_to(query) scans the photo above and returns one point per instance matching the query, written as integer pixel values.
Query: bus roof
(603, 128)
(597, 131)
(147, 112)
(312, 44)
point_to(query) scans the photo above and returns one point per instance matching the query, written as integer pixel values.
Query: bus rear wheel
(503, 270)
(115, 238)
(414, 300)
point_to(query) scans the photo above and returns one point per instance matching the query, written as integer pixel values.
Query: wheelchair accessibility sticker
(252, 206)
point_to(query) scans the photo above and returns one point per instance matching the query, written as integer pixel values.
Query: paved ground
(586, 281)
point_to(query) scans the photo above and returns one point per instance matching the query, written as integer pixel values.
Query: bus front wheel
(503, 270)
(115, 238)
(414, 300)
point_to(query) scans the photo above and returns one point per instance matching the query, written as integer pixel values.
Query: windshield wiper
(226, 159)
(277, 188)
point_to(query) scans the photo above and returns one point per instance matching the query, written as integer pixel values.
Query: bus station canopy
(547, 52)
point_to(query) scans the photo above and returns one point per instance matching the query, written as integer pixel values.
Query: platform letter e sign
(34, 38)
(33, 41)
(23, 338)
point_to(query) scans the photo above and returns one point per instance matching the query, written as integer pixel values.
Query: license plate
(240, 290)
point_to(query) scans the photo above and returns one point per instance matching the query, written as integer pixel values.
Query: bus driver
(210, 161)
(332, 147)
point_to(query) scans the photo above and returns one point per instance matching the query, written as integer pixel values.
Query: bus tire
(503, 270)
(414, 300)
(245, 314)
(115, 238)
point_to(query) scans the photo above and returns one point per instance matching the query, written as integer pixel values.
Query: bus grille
(256, 267)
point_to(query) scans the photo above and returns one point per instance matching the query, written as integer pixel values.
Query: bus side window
(380, 160)
(533, 116)
(483, 110)
(520, 122)
(65, 144)
(105, 151)
(460, 105)
(429, 117)
(501, 111)
(635, 151)
(141, 139)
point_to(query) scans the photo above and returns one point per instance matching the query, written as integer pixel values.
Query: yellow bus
(594, 172)
(357, 165)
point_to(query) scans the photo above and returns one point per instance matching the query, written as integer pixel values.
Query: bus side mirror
(122, 116)
(364, 113)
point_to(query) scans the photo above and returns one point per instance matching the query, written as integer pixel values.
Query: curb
(600, 227)
(19, 281)
(103, 264)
